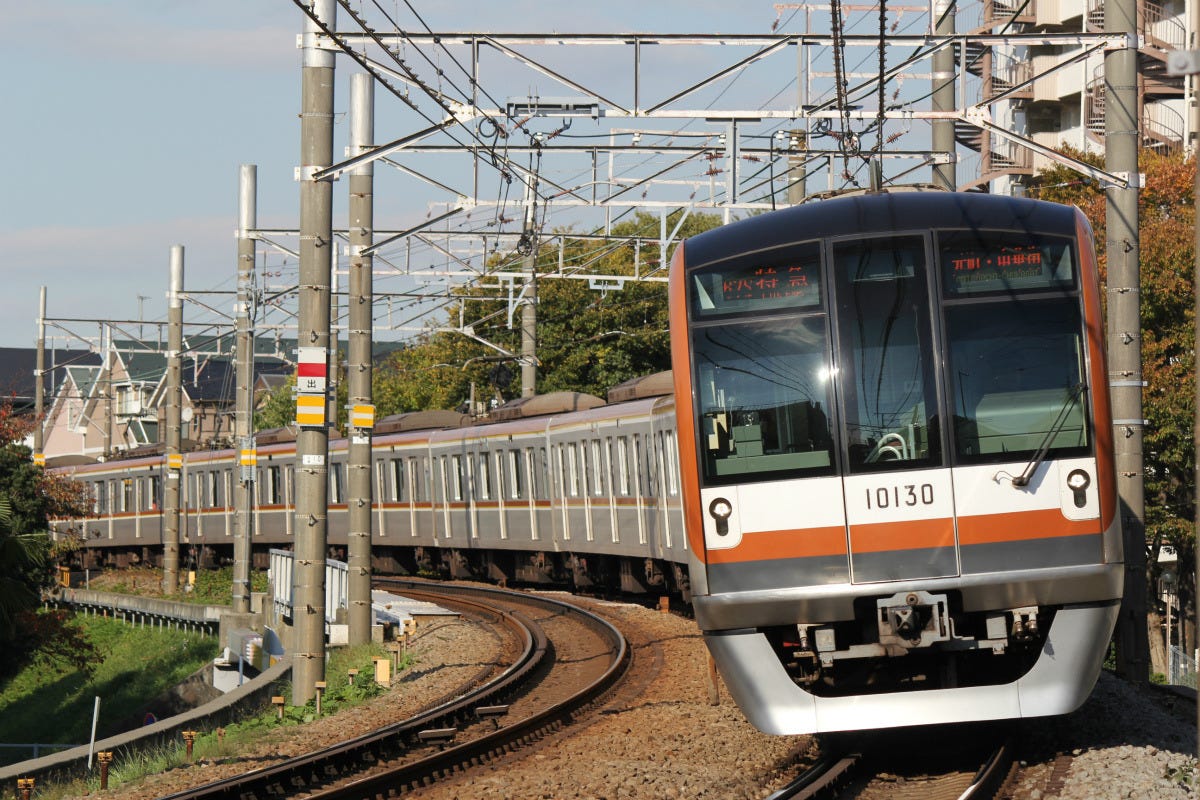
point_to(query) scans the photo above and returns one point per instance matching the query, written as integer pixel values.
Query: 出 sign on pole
(310, 409)
(174, 461)
(311, 369)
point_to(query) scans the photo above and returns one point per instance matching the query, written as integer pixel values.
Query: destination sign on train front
(986, 266)
(792, 284)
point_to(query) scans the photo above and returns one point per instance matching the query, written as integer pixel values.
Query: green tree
(588, 340)
(1167, 238)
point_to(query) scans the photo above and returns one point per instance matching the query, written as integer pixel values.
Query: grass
(242, 737)
(50, 703)
(213, 586)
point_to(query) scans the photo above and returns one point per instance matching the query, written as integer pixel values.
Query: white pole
(92, 742)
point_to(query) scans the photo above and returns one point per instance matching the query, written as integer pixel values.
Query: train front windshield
(784, 388)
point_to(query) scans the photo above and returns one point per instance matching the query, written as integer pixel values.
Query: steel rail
(311, 772)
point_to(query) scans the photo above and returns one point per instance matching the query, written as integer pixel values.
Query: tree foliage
(1167, 241)
(588, 340)
(29, 496)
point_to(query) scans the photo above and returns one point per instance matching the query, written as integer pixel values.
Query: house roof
(18, 365)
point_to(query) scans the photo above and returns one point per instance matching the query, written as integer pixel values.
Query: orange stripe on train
(1022, 525)
(921, 534)
(769, 545)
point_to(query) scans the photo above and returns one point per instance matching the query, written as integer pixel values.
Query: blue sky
(128, 120)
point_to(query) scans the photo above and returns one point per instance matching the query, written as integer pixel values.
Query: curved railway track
(879, 772)
(425, 747)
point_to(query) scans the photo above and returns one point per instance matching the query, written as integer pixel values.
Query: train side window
(560, 468)
(397, 480)
(336, 483)
(153, 498)
(572, 469)
(420, 478)
(621, 466)
(672, 463)
(485, 476)
(515, 471)
(597, 469)
(454, 478)
(271, 486)
(543, 482)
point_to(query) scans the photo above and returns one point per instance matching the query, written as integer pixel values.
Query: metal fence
(337, 577)
(1182, 667)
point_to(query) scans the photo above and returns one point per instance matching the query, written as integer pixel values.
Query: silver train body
(586, 497)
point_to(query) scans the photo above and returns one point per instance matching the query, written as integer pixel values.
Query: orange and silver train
(880, 469)
(896, 453)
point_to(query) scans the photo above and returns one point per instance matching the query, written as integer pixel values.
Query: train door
(898, 491)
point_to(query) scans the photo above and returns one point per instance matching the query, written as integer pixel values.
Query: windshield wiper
(1055, 429)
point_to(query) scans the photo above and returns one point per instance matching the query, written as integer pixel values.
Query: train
(880, 469)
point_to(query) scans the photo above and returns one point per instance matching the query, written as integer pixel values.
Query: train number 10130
(897, 496)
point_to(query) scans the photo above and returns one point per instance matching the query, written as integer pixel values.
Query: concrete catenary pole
(1121, 140)
(39, 386)
(172, 423)
(243, 532)
(361, 321)
(1194, 25)
(106, 387)
(312, 442)
(944, 175)
(529, 309)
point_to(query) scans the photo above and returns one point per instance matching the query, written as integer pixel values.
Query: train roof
(657, 385)
(541, 405)
(877, 212)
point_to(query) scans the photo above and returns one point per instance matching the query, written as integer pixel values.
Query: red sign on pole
(312, 369)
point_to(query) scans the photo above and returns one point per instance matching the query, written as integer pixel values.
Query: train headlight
(1078, 481)
(720, 509)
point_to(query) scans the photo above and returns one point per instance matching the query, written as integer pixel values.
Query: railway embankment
(253, 693)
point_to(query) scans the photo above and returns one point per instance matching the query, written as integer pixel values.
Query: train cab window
(886, 374)
(1015, 345)
(541, 489)
(764, 395)
(1019, 379)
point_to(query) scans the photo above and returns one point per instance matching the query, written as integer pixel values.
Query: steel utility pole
(1121, 140)
(172, 422)
(312, 443)
(361, 320)
(243, 533)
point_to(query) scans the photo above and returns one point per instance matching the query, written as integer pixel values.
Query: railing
(337, 576)
(1181, 668)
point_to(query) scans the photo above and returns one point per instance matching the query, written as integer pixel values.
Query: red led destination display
(757, 287)
(1007, 266)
